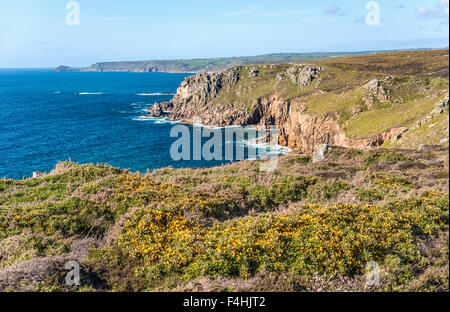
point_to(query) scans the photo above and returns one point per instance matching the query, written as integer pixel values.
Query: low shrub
(369, 195)
(324, 239)
(385, 155)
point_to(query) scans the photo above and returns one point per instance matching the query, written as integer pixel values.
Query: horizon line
(242, 56)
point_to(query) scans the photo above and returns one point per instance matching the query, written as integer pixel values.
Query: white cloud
(440, 12)
(335, 10)
(444, 5)
(332, 9)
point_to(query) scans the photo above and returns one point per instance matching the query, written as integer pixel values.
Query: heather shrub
(385, 155)
(74, 216)
(325, 190)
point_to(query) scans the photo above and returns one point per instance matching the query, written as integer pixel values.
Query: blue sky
(34, 33)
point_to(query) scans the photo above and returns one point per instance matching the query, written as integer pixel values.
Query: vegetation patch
(322, 239)
(385, 155)
(233, 227)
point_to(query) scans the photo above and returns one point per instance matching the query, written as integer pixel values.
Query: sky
(39, 33)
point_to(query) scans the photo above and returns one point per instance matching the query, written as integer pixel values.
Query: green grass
(434, 132)
(247, 91)
(376, 121)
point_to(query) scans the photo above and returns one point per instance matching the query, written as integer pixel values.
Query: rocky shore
(310, 104)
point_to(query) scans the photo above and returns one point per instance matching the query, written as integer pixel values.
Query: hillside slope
(361, 102)
(304, 227)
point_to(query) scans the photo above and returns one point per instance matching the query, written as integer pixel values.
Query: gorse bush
(135, 190)
(284, 190)
(325, 239)
(158, 236)
(71, 217)
(387, 181)
(369, 195)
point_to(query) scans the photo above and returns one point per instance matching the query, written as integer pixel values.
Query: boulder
(279, 78)
(233, 75)
(319, 152)
(253, 73)
(303, 75)
(157, 111)
(38, 174)
(441, 106)
(376, 91)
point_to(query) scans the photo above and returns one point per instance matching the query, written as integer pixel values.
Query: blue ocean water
(46, 117)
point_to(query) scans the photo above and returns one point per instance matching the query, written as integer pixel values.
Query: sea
(47, 117)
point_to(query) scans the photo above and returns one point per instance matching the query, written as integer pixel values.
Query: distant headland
(209, 64)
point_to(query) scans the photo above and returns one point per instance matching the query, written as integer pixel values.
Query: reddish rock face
(302, 131)
(298, 129)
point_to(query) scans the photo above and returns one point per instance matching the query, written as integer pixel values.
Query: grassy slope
(433, 132)
(234, 227)
(421, 80)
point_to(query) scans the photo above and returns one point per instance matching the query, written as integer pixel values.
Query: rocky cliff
(314, 104)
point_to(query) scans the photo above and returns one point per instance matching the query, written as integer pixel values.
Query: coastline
(261, 142)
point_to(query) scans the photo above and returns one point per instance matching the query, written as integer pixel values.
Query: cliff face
(195, 94)
(311, 104)
(298, 129)
(303, 131)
